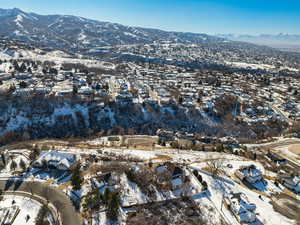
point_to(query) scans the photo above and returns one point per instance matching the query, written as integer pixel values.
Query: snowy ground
(220, 187)
(57, 57)
(210, 202)
(26, 205)
(251, 65)
(174, 155)
(17, 158)
(258, 66)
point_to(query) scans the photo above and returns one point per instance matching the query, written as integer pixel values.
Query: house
(22, 76)
(176, 174)
(41, 90)
(24, 92)
(165, 135)
(85, 90)
(161, 169)
(124, 97)
(60, 77)
(56, 160)
(249, 173)
(110, 141)
(241, 208)
(177, 183)
(66, 91)
(291, 182)
(276, 158)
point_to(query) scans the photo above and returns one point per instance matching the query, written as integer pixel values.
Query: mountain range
(73, 32)
(290, 42)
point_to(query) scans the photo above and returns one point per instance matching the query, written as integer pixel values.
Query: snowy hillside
(77, 32)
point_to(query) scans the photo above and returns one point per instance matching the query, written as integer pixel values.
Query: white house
(241, 208)
(250, 174)
(291, 182)
(58, 160)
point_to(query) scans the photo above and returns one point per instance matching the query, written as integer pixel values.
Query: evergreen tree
(13, 165)
(3, 159)
(106, 195)
(204, 186)
(113, 206)
(23, 68)
(22, 165)
(76, 178)
(29, 70)
(23, 84)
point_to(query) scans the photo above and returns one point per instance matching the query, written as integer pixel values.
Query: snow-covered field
(174, 155)
(27, 206)
(258, 66)
(19, 159)
(58, 57)
(249, 65)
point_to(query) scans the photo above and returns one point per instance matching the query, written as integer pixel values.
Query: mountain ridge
(77, 32)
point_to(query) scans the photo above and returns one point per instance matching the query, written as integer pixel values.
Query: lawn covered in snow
(27, 206)
(218, 188)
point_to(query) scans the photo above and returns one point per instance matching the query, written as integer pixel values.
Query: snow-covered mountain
(75, 32)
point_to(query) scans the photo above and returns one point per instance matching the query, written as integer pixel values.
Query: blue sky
(201, 16)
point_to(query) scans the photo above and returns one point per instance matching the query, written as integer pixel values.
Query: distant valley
(284, 42)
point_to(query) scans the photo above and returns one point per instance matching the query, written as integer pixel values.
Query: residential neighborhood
(110, 124)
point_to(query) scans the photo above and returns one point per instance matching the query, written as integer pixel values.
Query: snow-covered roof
(57, 159)
(251, 171)
(241, 207)
(292, 180)
(177, 182)
(161, 169)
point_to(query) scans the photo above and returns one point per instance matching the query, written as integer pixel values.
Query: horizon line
(156, 28)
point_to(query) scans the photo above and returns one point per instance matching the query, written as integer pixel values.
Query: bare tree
(216, 166)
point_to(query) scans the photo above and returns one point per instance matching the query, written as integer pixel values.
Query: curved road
(280, 143)
(55, 196)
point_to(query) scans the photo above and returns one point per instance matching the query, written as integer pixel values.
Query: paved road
(293, 164)
(55, 196)
(280, 143)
